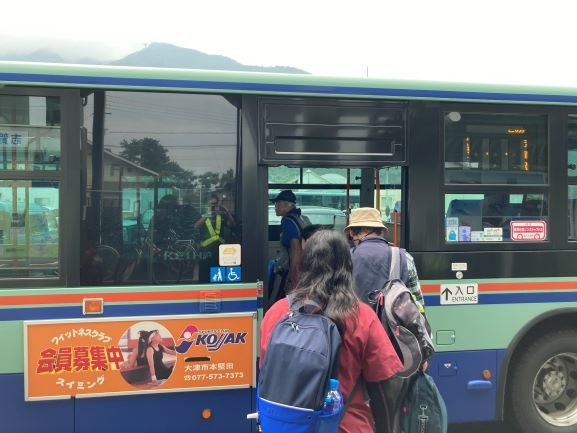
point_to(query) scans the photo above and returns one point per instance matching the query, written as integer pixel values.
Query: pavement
(482, 427)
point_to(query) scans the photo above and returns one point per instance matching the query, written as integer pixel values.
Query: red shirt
(365, 349)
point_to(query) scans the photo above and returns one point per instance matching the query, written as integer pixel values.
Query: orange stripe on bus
(508, 287)
(192, 295)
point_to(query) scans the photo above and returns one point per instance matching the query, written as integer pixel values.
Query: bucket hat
(366, 217)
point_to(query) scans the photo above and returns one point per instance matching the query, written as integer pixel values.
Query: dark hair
(326, 276)
(369, 230)
(143, 343)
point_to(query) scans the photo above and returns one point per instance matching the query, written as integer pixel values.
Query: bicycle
(161, 265)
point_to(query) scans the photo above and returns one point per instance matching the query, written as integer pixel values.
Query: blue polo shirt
(289, 229)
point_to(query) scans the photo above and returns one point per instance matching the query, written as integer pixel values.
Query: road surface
(482, 427)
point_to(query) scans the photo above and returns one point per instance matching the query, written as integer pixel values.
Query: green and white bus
(109, 180)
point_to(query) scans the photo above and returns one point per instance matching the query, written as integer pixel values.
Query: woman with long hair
(150, 353)
(366, 352)
(137, 358)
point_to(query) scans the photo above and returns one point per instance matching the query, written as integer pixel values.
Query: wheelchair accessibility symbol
(233, 273)
(223, 274)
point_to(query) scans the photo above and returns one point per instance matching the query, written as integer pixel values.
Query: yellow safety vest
(214, 235)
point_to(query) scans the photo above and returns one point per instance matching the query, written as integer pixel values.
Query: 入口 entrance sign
(457, 294)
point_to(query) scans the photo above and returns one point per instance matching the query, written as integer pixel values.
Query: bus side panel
(458, 375)
(171, 412)
(19, 416)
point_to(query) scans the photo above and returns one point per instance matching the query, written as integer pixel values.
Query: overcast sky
(507, 41)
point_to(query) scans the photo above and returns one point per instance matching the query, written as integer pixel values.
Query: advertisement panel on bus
(101, 357)
(528, 230)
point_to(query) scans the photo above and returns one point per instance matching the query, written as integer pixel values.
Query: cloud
(69, 49)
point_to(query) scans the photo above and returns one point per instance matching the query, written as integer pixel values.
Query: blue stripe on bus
(512, 298)
(75, 312)
(284, 88)
(151, 412)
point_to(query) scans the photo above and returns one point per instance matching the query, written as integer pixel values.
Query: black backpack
(408, 329)
(423, 408)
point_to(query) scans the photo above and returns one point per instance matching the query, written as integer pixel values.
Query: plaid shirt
(413, 283)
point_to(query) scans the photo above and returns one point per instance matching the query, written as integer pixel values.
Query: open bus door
(327, 153)
(326, 196)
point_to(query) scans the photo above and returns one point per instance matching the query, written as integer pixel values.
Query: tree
(208, 180)
(227, 180)
(148, 153)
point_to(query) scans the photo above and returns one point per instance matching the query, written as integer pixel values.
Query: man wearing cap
(292, 224)
(372, 256)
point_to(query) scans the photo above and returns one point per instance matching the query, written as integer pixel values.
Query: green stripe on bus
(131, 289)
(267, 78)
(476, 332)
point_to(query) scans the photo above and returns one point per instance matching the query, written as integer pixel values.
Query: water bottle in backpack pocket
(279, 418)
(334, 399)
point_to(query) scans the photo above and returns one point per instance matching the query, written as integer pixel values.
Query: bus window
(29, 133)
(495, 148)
(572, 204)
(572, 147)
(30, 151)
(572, 176)
(29, 229)
(496, 217)
(160, 192)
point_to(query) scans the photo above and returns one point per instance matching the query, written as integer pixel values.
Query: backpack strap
(395, 268)
(289, 298)
(349, 399)
(308, 306)
(297, 221)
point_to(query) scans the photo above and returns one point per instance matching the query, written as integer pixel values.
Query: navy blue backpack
(301, 356)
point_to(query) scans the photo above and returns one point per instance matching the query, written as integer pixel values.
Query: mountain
(163, 56)
(36, 56)
(171, 56)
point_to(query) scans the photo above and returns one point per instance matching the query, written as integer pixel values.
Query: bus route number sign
(528, 231)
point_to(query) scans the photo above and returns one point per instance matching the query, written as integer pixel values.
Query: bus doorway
(335, 156)
(326, 196)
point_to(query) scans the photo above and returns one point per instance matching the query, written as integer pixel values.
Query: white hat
(366, 217)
